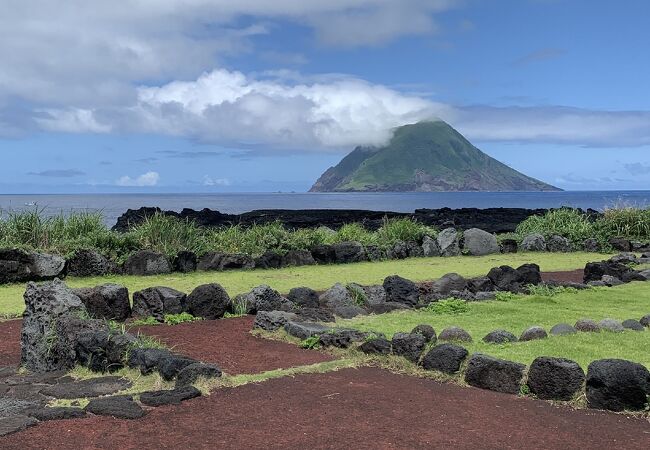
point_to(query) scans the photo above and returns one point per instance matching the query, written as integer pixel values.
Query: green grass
(623, 302)
(318, 277)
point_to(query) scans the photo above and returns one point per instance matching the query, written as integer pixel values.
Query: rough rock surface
(18, 266)
(210, 261)
(236, 261)
(170, 367)
(104, 351)
(612, 325)
(494, 374)
(454, 334)
(449, 242)
(120, 407)
(209, 301)
(314, 315)
(408, 345)
(89, 263)
(446, 358)
(157, 301)
(645, 320)
(108, 301)
(632, 324)
(324, 254)
(430, 247)
(591, 245)
(298, 258)
(190, 374)
(563, 329)
(304, 297)
(533, 333)
(478, 242)
(185, 262)
(587, 326)
(558, 243)
(401, 290)
(13, 424)
(92, 387)
(57, 413)
(169, 397)
(617, 385)
(555, 378)
(341, 338)
(499, 337)
(442, 287)
(147, 359)
(337, 296)
(376, 346)
(264, 298)
(147, 262)
(304, 330)
(533, 243)
(273, 320)
(269, 260)
(509, 246)
(349, 252)
(427, 331)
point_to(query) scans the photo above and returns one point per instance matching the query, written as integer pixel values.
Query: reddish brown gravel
(10, 342)
(574, 276)
(364, 408)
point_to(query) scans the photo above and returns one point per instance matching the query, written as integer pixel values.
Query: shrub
(175, 319)
(169, 235)
(354, 232)
(625, 222)
(566, 222)
(312, 342)
(395, 230)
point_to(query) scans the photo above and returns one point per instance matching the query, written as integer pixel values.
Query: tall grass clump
(354, 232)
(169, 235)
(566, 222)
(252, 241)
(625, 222)
(395, 230)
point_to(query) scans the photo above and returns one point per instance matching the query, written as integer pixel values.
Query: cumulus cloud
(146, 179)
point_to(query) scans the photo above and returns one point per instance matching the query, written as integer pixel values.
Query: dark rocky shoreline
(492, 220)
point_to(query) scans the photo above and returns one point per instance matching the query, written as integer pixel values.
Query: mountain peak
(425, 156)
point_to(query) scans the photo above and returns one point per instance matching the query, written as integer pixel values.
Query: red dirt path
(10, 342)
(364, 408)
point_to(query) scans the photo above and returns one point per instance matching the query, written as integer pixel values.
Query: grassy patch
(319, 277)
(520, 312)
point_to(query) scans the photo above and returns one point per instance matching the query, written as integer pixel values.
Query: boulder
(147, 359)
(15, 423)
(408, 345)
(617, 385)
(414, 249)
(645, 320)
(170, 367)
(446, 358)
(269, 260)
(48, 307)
(632, 324)
(443, 286)
(494, 374)
(337, 296)
(264, 298)
(555, 378)
(509, 246)
(478, 242)
(192, 373)
(533, 333)
(375, 295)
(237, 261)
(273, 320)
(562, 329)
(401, 290)
(533, 243)
(147, 262)
(169, 397)
(611, 281)
(398, 250)
(210, 261)
(558, 244)
(341, 338)
(454, 334)
(624, 258)
(375, 253)
(57, 413)
(591, 245)
(209, 301)
(499, 337)
(348, 312)
(104, 351)
(119, 406)
(449, 242)
(430, 247)
(376, 346)
(386, 307)
(611, 325)
(323, 254)
(304, 297)
(298, 258)
(427, 331)
(645, 274)
(92, 387)
(595, 271)
(185, 262)
(587, 326)
(480, 284)
(529, 274)
(314, 315)
(89, 263)
(304, 330)
(18, 266)
(505, 278)
(108, 301)
(157, 301)
(349, 252)
(620, 244)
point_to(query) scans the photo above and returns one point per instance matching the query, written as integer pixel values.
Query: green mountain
(424, 157)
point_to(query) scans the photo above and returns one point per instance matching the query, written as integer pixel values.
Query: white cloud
(209, 181)
(146, 179)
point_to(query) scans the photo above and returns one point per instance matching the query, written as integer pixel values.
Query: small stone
(120, 407)
(427, 331)
(305, 330)
(454, 334)
(499, 337)
(192, 373)
(611, 325)
(446, 358)
(632, 324)
(587, 326)
(59, 413)
(170, 367)
(533, 333)
(645, 320)
(376, 346)
(563, 329)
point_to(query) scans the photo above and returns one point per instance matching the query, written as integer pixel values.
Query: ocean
(113, 205)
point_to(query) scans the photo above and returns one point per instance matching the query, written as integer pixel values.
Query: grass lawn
(630, 301)
(319, 277)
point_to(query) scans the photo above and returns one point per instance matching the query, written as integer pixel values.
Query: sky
(260, 95)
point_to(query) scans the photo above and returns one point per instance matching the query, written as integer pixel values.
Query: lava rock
(446, 358)
(509, 246)
(632, 324)
(558, 244)
(157, 301)
(443, 286)
(533, 333)
(454, 334)
(273, 320)
(210, 261)
(348, 312)
(533, 243)
(427, 331)
(587, 326)
(430, 247)
(349, 252)
(170, 367)
(185, 262)
(595, 271)
(529, 274)
(304, 330)
(269, 260)
(499, 337)
(617, 385)
(555, 378)
(324, 254)
(89, 263)
(611, 325)
(304, 297)
(399, 250)
(611, 281)
(414, 249)
(103, 351)
(376, 346)
(314, 315)
(147, 262)
(209, 301)
(375, 295)
(92, 387)
(169, 397)
(624, 258)
(375, 253)
(478, 242)
(591, 245)
(57, 413)
(337, 296)
(192, 373)
(621, 244)
(18, 266)
(147, 359)
(505, 278)
(480, 284)
(562, 329)
(264, 298)
(108, 301)
(386, 307)
(408, 345)
(401, 290)
(645, 320)
(449, 242)
(236, 261)
(13, 424)
(120, 407)
(494, 374)
(341, 338)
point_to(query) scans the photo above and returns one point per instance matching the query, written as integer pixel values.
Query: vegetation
(168, 319)
(449, 306)
(521, 312)
(317, 277)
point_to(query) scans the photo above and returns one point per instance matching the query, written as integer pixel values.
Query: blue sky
(212, 96)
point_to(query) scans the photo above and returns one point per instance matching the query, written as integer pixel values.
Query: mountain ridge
(424, 157)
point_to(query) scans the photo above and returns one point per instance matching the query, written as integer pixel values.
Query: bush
(566, 222)
(396, 230)
(169, 235)
(448, 306)
(625, 222)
